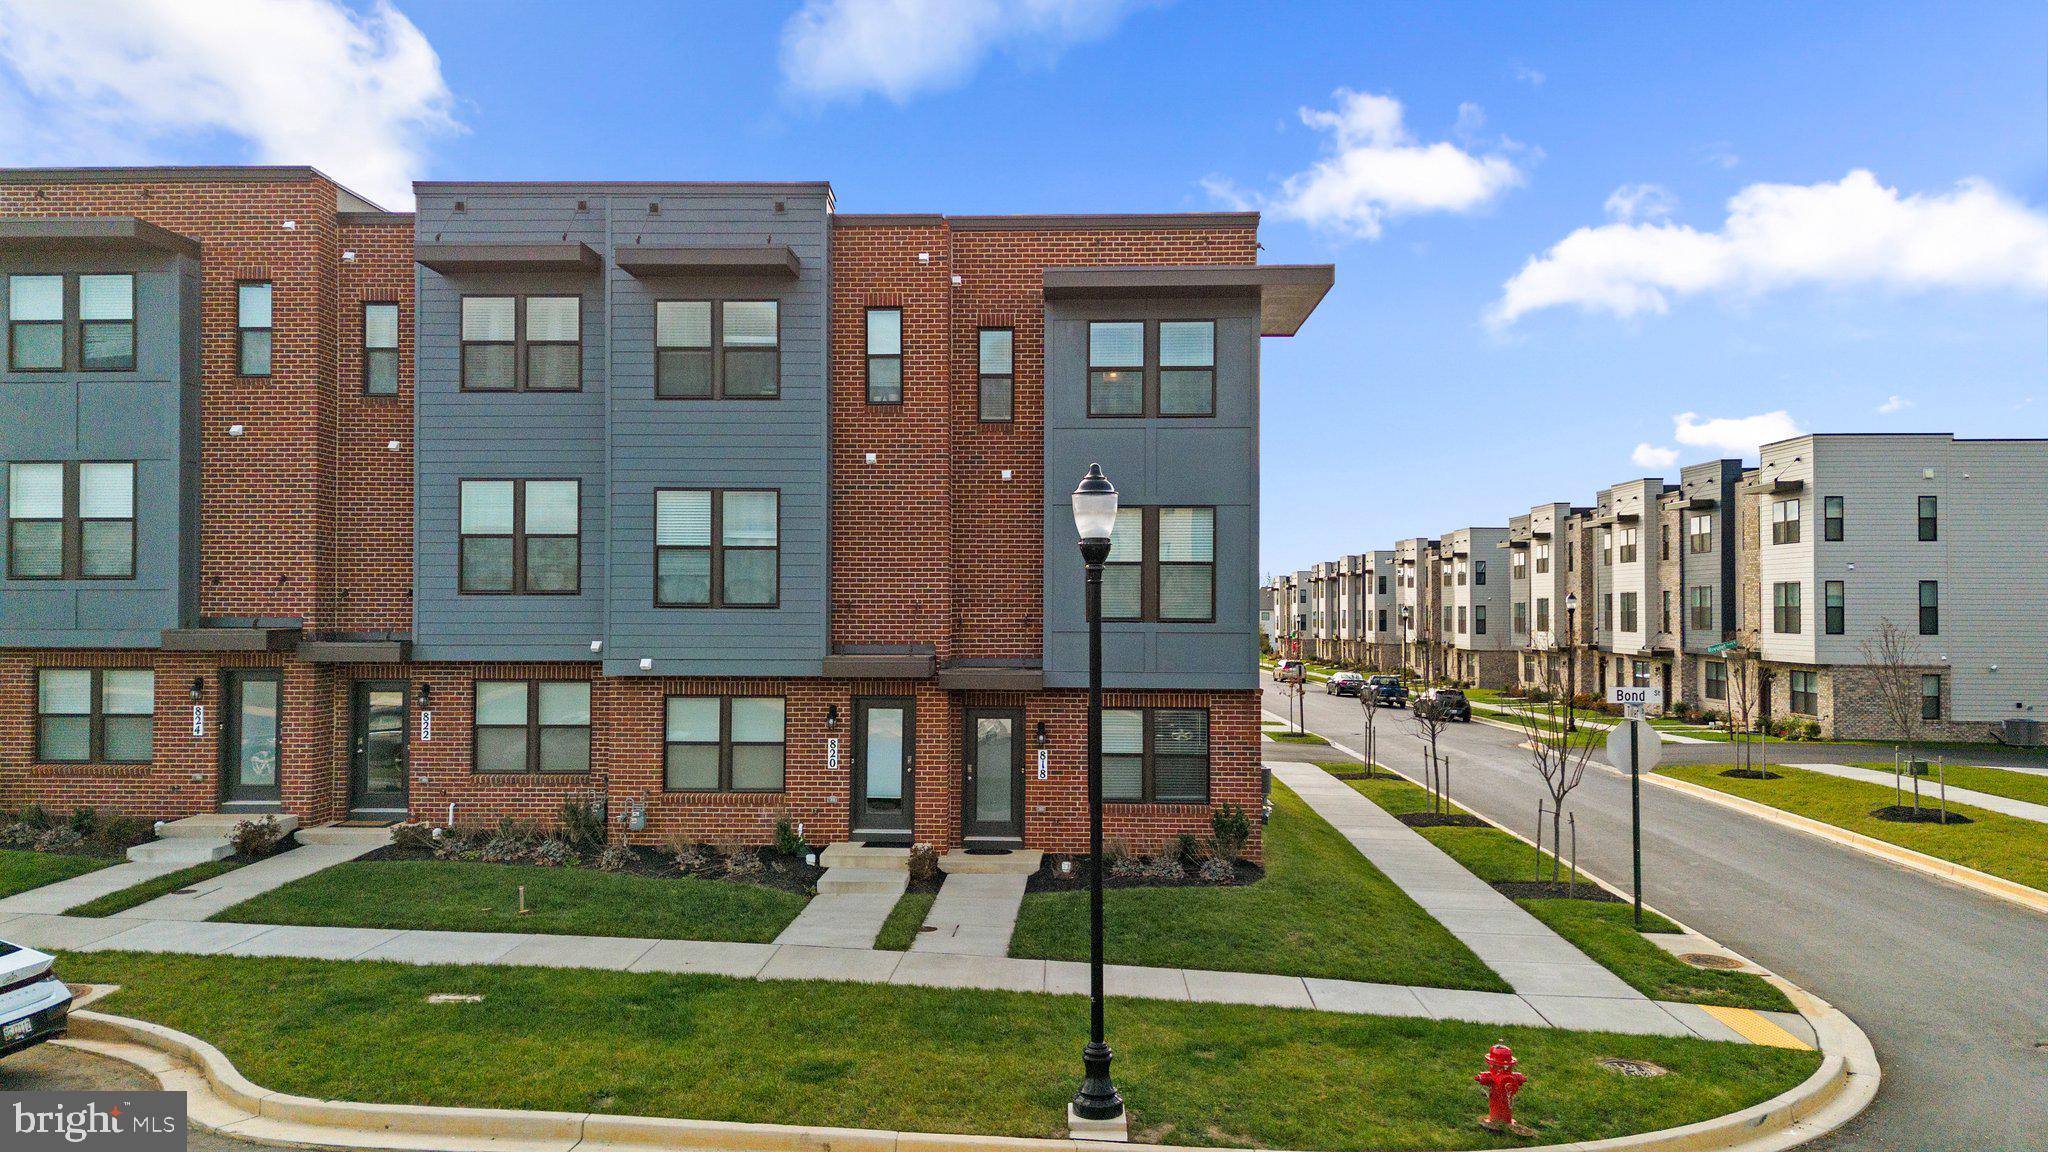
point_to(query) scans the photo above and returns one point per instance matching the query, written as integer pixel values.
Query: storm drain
(1628, 1067)
(1710, 960)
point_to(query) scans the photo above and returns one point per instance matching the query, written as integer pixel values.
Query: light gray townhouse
(1478, 638)
(1380, 610)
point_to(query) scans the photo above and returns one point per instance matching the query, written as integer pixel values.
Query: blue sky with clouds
(1575, 243)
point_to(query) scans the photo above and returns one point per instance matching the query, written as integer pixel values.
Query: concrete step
(334, 834)
(182, 850)
(879, 881)
(861, 856)
(210, 825)
(1016, 862)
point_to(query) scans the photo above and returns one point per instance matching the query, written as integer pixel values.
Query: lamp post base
(1116, 1129)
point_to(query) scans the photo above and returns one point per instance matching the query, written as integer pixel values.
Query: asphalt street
(1951, 986)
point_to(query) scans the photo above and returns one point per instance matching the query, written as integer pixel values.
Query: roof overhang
(255, 638)
(991, 678)
(880, 666)
(1772, 487)
(1286, 293)
(570, 256)
(755, 260)
(111, 233)
(392, 650)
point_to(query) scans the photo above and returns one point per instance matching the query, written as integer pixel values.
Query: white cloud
(1632, 202)
(1648, 455)
(1851, 232)
(1733, 435)
(1530, 76)
(1721, 154)
(898, 48)
(1375, 170)
(1895, 404)
(357, 94)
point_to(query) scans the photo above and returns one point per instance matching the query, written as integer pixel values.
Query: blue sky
(1438, 386)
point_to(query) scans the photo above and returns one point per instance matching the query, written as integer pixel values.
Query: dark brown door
(992, 762)
(377, 777)
(884, 759)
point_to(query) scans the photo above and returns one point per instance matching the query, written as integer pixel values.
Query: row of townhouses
(702, 501)
(1760, 592)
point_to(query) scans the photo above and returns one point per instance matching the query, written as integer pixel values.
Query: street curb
(1998, 887)
(220, 1098)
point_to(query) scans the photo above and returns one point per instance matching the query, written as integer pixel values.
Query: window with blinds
(380, 349)
(1155, 755)
(885, 355)
(997, 377)
(71, 521)
(520, 537)
(717, 548)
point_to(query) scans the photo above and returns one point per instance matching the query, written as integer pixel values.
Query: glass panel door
(884, 739)
(378, 780)
(250, 744)
(994, 771)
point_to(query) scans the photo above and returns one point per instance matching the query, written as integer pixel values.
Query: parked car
(1289, 672)
(1445, 703)
(34, 1005)
(1388, 691)
(1344, 684)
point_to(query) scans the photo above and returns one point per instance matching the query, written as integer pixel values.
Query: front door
(377, 767)
(249, 745)
(884, 737)
(993, 795)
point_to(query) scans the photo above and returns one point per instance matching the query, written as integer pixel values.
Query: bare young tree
(1894, 660)
(1741, 717)
(1560, 758)
(1369, 704)
(1429, 724)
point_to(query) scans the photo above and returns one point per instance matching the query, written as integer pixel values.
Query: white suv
(34, 1005)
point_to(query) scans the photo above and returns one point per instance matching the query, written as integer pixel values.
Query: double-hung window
(1518, 566)
(750, 349)
(1161, 565)
(1699, 532)
(531, 726)
(1520, 623)
(1116, 368)
(1930, 696)
(1543, 614)
(522, 343)
(1187, 368)
(1831, 518)
(1785, 522)
(1717, 680)
(717, 548)
(35, 323)
(1630, 541)
(1805, 693)
(1930, 607)
(1155, 755)
(521, 536)
(1479, 572)
(1607, 611)
(1629, 619)
(1461, 619)
(723, 744)
(38, 339)
(1834, 598)
(1542, 550)
(94, 715)
(1479, 619)
(106, 323)
(380, 349)
(885, 355)
(1606, 547)
(71, 521)
(1664, 542)
(998, 380)
(717, 349)
(252, 328)
(682, 350)
(1163, 368)
(1700, 607)
(1930, 522)
(1785, 608)
(1664, 620)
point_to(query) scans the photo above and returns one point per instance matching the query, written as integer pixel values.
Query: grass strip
(470, 897)
(900, 929)
(1604, 931)
(1285, 737)
(148, 890)
(1321, 910)
(1995, 781)
(2005, 846)
(832, 1054)
(22, 870)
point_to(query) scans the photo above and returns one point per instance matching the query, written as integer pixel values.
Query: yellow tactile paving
(1757, 1028)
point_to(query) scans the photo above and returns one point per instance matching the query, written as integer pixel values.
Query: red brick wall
(372, 506)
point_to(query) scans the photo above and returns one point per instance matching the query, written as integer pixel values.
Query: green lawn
(900, 929)
(2001, 845)
(149, 890)
(466, 897)
(1604, 931)
(1321, 910)
(1996, 781)
(1285, 737)
(21, 870)
(875, 1056)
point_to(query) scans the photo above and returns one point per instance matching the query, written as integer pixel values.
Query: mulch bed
(1751, 774)
(1441, 820)
(1048, 878)
(1907, 814)
(788, 873)
(1559, 890)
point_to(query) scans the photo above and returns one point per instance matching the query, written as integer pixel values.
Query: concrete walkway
(974, 915)
(68, 894)
(1930, 791)
(840, 920)
(208, 898)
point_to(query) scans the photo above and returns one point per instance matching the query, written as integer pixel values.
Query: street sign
(1723, 647)
(1635, 697)
(1646, 750)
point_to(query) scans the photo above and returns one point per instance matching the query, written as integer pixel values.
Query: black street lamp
(1571, 661)
(1094, 519)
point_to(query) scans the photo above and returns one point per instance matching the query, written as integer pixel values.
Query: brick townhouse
(702, 501)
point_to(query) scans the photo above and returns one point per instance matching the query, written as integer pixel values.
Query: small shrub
(924, 863)
(116, 832)
(1165, 868)
(414, 836)
(583, 824)
(1229, 831)
(506, 849)
(1114, 850)
(743, 862)
(35, 816)
(1187, 850)
(1537, 695)
(1709, 716)
(83, 818)
(1125, 866)
(1216, 870)
(1812, 730)
(787, 841)
(555, 854)
(616, 858)
(689, 855)
(58, 840)
(255, 839)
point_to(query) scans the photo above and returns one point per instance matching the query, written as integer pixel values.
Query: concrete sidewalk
(974, 915)
(208, 898)
(1930, 791)
(68, 894)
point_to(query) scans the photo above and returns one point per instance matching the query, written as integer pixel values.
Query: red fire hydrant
(1502, 1082)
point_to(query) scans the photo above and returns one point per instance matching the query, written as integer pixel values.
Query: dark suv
(1388, 691)
(1445, 704)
